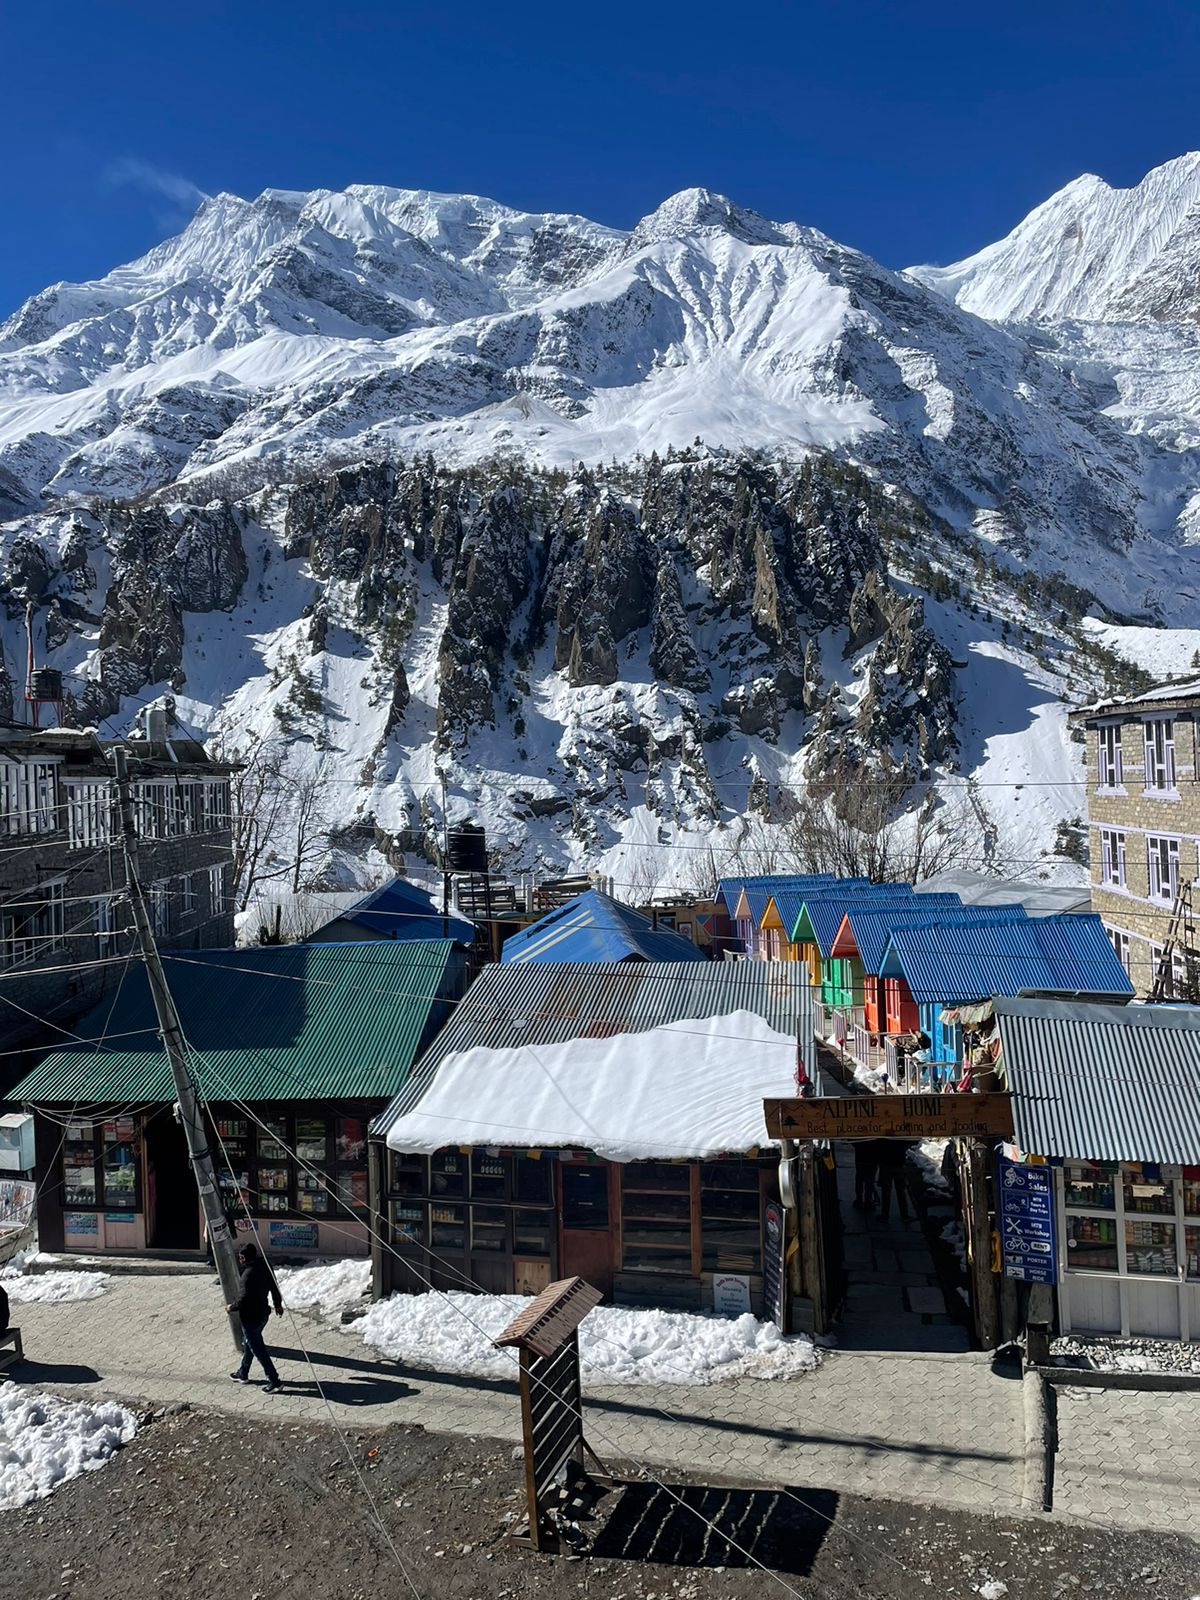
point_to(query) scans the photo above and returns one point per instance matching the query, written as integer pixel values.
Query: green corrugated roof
(286, 1022)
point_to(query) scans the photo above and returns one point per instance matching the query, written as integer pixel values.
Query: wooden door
(586, 1223)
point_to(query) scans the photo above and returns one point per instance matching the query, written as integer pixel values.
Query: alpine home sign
(897, 1116)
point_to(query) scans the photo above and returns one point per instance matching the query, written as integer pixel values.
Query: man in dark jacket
(891, 1157)
(257, 1287)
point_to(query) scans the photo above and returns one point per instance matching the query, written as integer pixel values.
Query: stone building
(1143, 810)
(64, 921)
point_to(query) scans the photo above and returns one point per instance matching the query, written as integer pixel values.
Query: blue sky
(917, 132)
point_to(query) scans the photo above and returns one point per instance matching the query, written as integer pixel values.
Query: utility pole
(171, 1034)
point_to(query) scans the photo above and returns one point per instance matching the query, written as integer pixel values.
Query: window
(104, 926)
(214, 804)
(1120, 944)
(160, 907)
(188, 899)
(729, 1217)
(28, 796)
(33, 926)
(216, 889)
(89, 815)
(1108, 766)
(1160, 756)
(1112, 857)
(656, 1217)
(1163, 862)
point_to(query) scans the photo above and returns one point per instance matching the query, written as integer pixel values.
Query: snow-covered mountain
(312, 466)
(273, 332)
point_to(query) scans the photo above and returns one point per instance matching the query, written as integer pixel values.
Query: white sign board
(731, 1294)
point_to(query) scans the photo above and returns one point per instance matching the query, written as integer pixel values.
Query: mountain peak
(702, 210)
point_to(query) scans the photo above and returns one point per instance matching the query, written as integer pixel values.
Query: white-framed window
(28, 796)
(215, 805)
(188, 899)
(1159, 735)
(104, 925)
(89, 815)
(216, 889)
(160, 907)
(1162, 856)
(34, 926)
(1112, 857)
(1120, 943)
(1109, 773)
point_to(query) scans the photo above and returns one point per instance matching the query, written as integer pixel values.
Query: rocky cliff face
(568, 648)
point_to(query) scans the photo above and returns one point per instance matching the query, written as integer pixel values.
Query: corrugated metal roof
(824, 911)
(594, 927)
(1185, 695)
(547, 1003)
(873, 928)
(284, 1022)
(1103, 1083)
(980, 889)
(730, 889)
(973, 961)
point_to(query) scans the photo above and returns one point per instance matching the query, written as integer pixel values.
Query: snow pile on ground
(54, 1288)
(454, 1332)
(927, 1155)
(44, 1441)
(952, 1233)
(1101, 1354)
(326, 1286)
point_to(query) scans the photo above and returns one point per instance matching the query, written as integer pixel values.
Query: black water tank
(466, 848)
(45, 683)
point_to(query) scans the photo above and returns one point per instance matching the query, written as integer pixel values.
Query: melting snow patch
(927, 1155)
(45, 1441)
(453, 1333)
(54, 1288)
(993, 1589)
(330, 1286)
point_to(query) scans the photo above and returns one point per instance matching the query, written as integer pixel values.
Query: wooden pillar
(983, 1281)
(377, 1194)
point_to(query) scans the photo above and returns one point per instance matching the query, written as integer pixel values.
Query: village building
(397, 909)
(595, 927)
(64, 920)
(603, 1120)
(293, 1049)
(746, 899)
(1143, 816)
(1109, 1096)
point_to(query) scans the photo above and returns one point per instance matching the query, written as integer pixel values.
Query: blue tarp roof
(594, 928)
(872, 928)
(974, 961)
(399, 910)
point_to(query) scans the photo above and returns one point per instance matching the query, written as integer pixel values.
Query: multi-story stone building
(1143, 807)
(64, 918)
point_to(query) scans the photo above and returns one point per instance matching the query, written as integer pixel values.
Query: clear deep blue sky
(915, 131)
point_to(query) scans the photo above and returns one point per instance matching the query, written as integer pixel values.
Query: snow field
(328, 1286)
(453, 1332)
(45, 1441)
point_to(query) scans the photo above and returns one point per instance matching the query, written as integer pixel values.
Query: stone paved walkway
(1129, 1456)
(942, 1429)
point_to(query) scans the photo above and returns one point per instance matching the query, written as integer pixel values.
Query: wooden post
(983, 1282)
(810, 1248)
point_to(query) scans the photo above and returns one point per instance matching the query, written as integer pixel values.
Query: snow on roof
(981, 889)
(1186, 689)
(688, 1089)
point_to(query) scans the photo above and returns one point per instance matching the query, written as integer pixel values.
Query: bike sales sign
(1028, 1242)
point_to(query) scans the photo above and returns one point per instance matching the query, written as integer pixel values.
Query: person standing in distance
(258, 1287)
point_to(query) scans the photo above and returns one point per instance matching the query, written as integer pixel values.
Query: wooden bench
(11, 1348)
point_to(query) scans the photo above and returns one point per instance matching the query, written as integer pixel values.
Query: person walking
(258, 1287)
(866, 1162)
(891, 1153)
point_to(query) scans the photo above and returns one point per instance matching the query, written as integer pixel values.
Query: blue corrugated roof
(399, 910)
(759, 888)
(826, 909)
(957, 965)
(593, 927)
(872, 927)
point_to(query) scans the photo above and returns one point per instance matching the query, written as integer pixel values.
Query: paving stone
(926, 1301)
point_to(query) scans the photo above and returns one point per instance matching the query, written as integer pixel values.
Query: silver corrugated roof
(1103, 1083)
(980, 889)
(553, 1002)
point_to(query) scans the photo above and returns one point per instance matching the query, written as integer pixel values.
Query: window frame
(1113, 858)
(1154, 865)
(1110, 766)
(1159, 776)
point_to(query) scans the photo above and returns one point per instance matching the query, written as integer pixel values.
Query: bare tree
(311, 820)
(257, 802)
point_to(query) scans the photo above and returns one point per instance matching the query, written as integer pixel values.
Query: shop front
(294, 1176)
(1131, 1257)
(684, 1234)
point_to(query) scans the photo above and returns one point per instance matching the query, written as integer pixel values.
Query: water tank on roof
(466, 848)
(45, 683)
